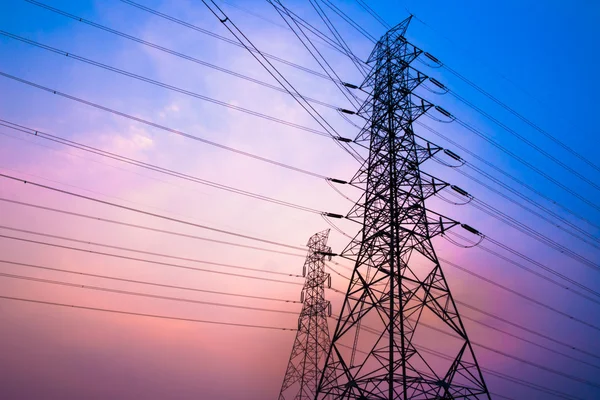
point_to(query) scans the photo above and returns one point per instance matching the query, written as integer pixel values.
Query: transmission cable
(146, 283)
(523, 118)
(137, 226)
(282, 80)
(166, 86)
(106, 310)
(531, 144)
(150, 253)
(136, 210)
(230, 41)
(511, 177)
(154, 262)
(164, 128)
(152, 167)
(153, 296)
(177, 54)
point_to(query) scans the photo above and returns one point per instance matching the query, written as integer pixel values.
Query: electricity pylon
(398, 299)
(312, 339)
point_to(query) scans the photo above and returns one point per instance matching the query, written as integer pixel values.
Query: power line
(222, 38)
(138, 294)
(149, 213)
(175, 53)
(527, 141)
(137, 226)
(143, 314)
(164, 128)
(151, 261)
(150, 253)
(527, 164)
(514, 179)
(281, 79)
(152, 167)
(165, 85)
(66, 271)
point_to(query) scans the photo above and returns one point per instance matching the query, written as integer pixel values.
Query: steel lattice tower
(398, 299)
(312, 339)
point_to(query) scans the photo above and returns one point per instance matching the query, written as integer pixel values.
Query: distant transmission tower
(398, 299)
(312, 340)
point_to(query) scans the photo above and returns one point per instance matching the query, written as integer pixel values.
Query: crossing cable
(130, 313)
(166, 86)
(350, 21)
(164, 264)
(508, 322)
(373, 13)
(146, 283)
(500, 375)
(159, 216)
(504, 354)
(527, 230)
(147, 228)
(152, 167)
(222, 38)
(360, 66)
(177, 54)
(537, 235)
(518, 381)
(149, 253)
(165, 128)
(526, 163)
(531, 144)
(138, 294)
(536, 213)
(536, 263)
(315, 53)
(522, 118)
(511, 177)
(519, 294)
(281, 79)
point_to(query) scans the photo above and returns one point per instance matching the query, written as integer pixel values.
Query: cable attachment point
(332, 215)
(345, 111)
(460, 191)
(437, 83)
(444, 112)
(349, 85)
(341, 182)
(432, 58)
(343, 139)
(452, 154)
(471, 229)
(328, 254)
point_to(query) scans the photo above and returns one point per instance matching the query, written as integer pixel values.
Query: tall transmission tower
(398, 298)
(312, 339)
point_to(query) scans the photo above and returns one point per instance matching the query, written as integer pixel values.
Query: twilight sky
(540, 57)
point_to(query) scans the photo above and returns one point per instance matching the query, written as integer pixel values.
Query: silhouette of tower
(312, 339)
(398, 298)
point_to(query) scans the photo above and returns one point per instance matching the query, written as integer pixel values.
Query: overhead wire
(139, 211)
(130, 313)
(149, 253)
(508, 175)
(165, 85)
(176, 53)
(147, 295)
(281, 79)
(147, 261)
(146, 283)
(164, 128)
(148, 228)
(152, 167)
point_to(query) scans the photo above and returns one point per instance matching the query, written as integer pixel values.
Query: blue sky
(537, 56)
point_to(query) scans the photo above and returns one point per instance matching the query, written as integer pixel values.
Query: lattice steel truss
(398, 299)
(312, 339)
